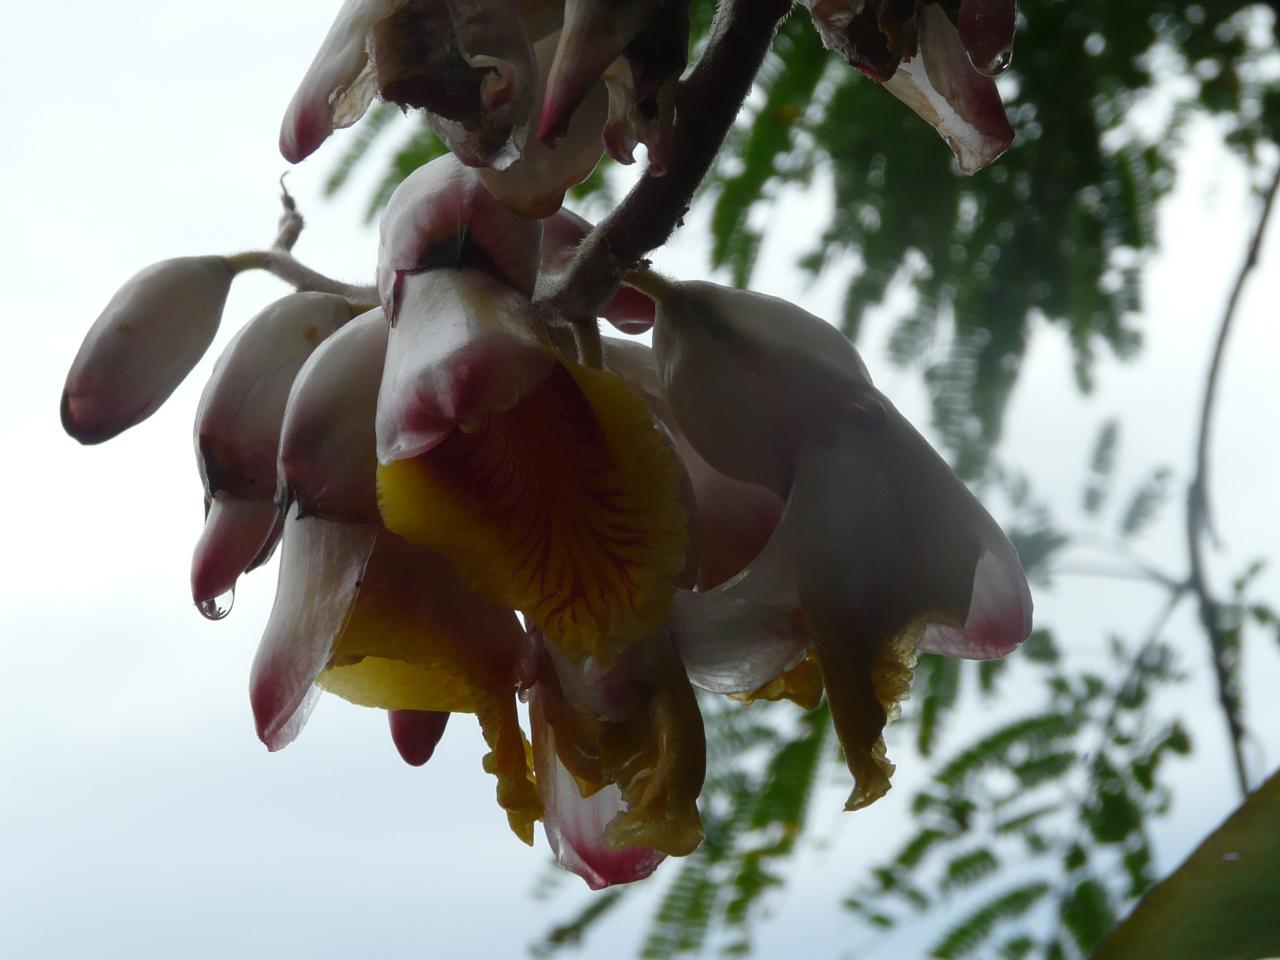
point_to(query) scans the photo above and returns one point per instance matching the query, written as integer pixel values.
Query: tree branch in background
(707, 103)
(1221, 643)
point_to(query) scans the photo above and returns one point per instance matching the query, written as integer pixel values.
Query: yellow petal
(866, 684)
(565, 507)
(418, 640)
(656, 757)
(802, 684)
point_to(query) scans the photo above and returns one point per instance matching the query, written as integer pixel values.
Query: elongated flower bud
(237, 430)
(152, 333)
(327, 462)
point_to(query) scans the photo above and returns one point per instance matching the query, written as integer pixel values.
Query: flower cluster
(476, 503)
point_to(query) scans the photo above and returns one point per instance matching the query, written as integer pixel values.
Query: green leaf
(972, 932)
(937, 684)
(1101, 467)
(1086, 913)
(966, 869)
(1146, 503)
(1221, 903)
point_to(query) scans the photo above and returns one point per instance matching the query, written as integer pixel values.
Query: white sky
(139, 816)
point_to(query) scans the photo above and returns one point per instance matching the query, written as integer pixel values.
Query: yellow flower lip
(565, 506)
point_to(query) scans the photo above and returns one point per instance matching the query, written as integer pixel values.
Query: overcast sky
(139, 815)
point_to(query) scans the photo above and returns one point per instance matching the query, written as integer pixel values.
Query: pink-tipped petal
(340, 83)
(441, 216)
(237, 431)
(595, 33)
(321, 565)
(575, 825)
(328, 461)
(463, 347)
(942, 87)
(235, 533)
(986, 31)
(999, 617)
(416, 733)
(149, 337)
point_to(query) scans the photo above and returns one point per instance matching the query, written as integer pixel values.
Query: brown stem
(707, 103)
(1209, 609)
(291, 223)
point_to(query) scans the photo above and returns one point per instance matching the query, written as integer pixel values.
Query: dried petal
(943, 88)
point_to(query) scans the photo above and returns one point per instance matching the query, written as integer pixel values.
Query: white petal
(574, 824)
(734, 644)
(340, 83)
(940, 85)
(463, 347)
(235, 533)
(752, 379)
(534, 186)
(999, 615)
(237, 430)
(595, 33)
(328, 461)
(152, 333)
(321, 565)
(435, 214)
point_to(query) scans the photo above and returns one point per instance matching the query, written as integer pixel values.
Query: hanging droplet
(998, 63)
(218, 607)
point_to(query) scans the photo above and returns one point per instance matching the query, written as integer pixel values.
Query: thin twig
(1198, 506)
(707, 103)
(291, 222)
(283, 264)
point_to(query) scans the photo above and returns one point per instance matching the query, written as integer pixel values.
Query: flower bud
(150, 336)
(237, 430)
(327, 462)
(441, 216)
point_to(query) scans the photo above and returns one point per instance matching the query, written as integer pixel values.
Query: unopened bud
(150, 336)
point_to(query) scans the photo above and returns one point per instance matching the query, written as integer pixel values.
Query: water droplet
(998, 64)
(218, 607)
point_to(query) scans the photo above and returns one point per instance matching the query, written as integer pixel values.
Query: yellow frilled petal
(565, 507)
(657, 758)
(866, 684)
(418, 640)
(802, 685)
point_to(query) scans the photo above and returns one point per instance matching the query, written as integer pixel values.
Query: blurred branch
(707, 103)
(1198, 521)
